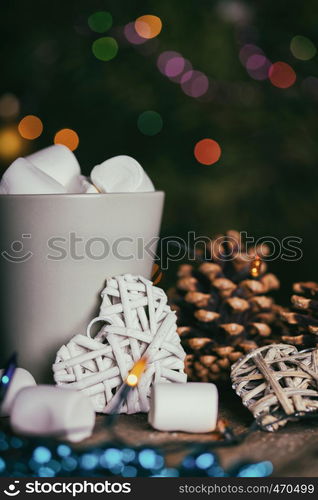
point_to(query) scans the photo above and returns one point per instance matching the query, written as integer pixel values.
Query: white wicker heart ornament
(138, 323)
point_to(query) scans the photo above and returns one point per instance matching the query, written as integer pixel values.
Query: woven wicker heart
(137, 322)
(277, 381)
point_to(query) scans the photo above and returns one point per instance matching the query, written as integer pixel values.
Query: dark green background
(266, 180)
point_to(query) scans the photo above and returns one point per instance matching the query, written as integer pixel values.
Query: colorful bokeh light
(164, 59)
(30, 127)
(100, 21)
(68, 137)
(132, 36)
(175, 66)
(11, 144)
(148, 26)
(258, 66)
(247, 51)
(149, 122)
(105, 48)
(207, 151)
(302, 48)
(282, 75)
(194, 83)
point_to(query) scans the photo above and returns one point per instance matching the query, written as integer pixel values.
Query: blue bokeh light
(205, 460)
(128, 455)
(260, 469)
(88, 461)
(129, 471)
(69, 463)
(63, 450)
(46, 472)
(41, 454)
(149, 459)
(111, 458)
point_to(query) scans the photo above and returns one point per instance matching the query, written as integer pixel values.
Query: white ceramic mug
(56, 252)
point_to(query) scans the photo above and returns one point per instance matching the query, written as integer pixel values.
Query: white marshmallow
(121, 174)
(58, 162)
(189, 407)
(86, 186)
(47, 410)
(24, 178)
(21, 379)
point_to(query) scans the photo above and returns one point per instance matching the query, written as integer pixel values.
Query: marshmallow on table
(119, 175)
(189, 407)
(24, 178)
(60, 163)
(46, 410)
(21, 379)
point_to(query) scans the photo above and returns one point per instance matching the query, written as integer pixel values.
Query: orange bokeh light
(207, 151)
(11, 144)
(30, 127)
(282, 75)
(68, 137)
(148, 26)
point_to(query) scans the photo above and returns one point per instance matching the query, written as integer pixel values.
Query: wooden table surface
(293, 450)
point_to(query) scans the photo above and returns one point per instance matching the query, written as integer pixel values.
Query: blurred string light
(282, 75)
(255, 62)
(9, 106)
(258, 66)
(194, 83)
(207, 151)
(67, 137)
(100, 21)
(132, 35)
(11, 144)
(148, 26)
(173, 65)
(178, 69)
(149, 122)
(105, 48)
(302, 48)
(260, 469)
(30, 127)
(170, 63)
(46, 458)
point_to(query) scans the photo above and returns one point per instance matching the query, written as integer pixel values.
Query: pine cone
(302, 321)
(223, 308)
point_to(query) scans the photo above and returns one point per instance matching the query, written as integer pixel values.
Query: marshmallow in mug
(24, 178)
(20, 379)
(60, 163)
(121, 174)
(86, 186)
(188, 407)
(47, 410)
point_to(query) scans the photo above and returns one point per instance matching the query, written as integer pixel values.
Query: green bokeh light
(302, 48)
(100, 21)
(149, 123)
(105, 48)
